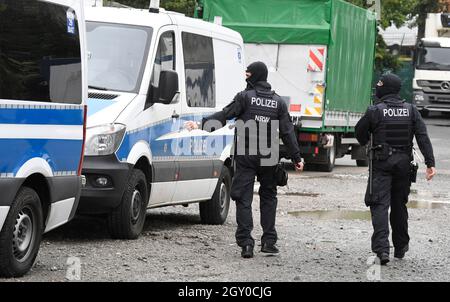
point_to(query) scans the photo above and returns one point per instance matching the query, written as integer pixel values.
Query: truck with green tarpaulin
(320, 55)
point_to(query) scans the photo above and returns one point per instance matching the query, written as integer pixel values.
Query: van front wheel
(21, 234)
(215, 210)
(127, 220)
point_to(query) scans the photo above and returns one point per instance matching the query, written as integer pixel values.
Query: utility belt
(384, 151)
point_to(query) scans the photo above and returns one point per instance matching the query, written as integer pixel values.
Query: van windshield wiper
(97, 88)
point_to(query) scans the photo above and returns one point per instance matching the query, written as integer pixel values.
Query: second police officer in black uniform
(393, 124)
(256, 103)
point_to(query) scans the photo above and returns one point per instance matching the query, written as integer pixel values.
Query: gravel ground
(332, 244)
(314, 247)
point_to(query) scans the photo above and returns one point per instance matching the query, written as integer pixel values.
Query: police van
(149, 73)
(42, 122)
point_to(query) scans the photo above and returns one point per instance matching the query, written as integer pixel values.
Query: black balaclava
(392, 84)
(259, 73)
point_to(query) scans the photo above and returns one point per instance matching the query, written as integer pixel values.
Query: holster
(282, 175)
(382, 152)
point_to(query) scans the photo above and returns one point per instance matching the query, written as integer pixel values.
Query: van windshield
(117, 55)
(434, 58)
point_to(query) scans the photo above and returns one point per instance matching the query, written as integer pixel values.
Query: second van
(149, 72)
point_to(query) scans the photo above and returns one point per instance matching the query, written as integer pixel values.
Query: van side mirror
(168, 87)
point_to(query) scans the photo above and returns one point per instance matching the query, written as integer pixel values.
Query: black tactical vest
(262, 107)
(396, 125)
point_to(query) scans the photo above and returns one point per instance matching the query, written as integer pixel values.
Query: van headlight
(104, 140)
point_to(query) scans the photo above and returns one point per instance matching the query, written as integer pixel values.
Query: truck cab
(431, 82)
(43, 88)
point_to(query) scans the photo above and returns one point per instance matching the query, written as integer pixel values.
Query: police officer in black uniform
(393, 124)
(258, 103)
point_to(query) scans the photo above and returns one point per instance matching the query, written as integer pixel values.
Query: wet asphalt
(323, 226)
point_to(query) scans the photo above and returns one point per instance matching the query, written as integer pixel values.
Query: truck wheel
(331, 158)
(127, 220)
(362, 162)
(215, 210)
(21, 234)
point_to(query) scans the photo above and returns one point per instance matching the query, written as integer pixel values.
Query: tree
(421, 9)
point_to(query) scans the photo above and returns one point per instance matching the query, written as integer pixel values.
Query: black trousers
(247, 167)
(391, 188)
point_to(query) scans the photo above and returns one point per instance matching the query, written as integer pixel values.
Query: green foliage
(182, 6)
(421, 9)
(384, 60)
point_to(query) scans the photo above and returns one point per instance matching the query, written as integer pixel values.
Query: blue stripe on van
(62, 155)
(166, 148)
(41, 116)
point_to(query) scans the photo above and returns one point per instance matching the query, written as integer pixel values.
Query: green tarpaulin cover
(268, 21)
(348, 30)
(350, 58)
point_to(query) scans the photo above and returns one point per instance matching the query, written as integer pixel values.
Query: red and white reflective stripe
(316, 59)
(295, 108)
(80, 164)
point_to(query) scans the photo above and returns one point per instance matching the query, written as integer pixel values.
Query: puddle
(335, 214)
(364, 215)
(429, 200)
(438, 195)
(304, 194)
(441, 195)
(424, 204)
(337, 176)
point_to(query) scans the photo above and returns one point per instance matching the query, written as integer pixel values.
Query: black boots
(400, 253)
(247, 251)
(384, 258)
(269, 248)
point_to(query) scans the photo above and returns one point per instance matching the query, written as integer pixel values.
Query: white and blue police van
(42, 123)
(149, 73)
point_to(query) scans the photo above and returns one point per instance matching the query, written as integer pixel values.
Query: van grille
(102, 96)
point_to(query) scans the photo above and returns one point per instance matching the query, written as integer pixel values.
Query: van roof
(142, 17)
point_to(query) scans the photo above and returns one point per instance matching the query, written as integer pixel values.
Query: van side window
(164, 60)
(199, 69)
(40, 57)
